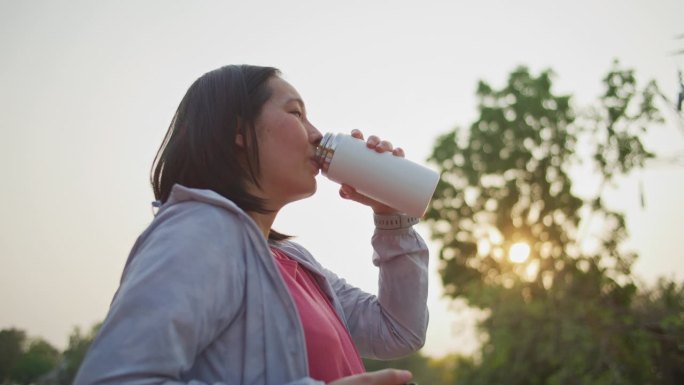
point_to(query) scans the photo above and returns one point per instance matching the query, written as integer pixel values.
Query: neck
(264, 221)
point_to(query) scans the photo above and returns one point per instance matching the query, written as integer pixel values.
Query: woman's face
(287, 142)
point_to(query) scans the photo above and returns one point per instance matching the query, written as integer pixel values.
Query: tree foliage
(39, 359)
(26, 360)
(12, 343)
(567, 312)
(75, 353)
(23, 360)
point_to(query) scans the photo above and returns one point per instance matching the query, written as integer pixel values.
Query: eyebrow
(298, 100)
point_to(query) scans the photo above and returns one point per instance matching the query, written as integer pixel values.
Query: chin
(305, 194)
(311, 191)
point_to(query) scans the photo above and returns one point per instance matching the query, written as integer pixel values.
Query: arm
(181, 286)
(394, 323)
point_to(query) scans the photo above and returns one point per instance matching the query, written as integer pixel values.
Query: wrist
(394, 221)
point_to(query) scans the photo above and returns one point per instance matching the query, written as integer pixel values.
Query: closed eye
(295, 106)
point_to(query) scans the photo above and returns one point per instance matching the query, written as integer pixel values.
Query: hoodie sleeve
(393, 323)
(181, 286)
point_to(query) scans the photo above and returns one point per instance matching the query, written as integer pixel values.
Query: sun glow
(519, 252)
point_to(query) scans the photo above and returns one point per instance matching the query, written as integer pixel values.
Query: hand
(381, 377)
(348, 192)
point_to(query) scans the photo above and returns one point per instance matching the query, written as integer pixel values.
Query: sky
(88, 89)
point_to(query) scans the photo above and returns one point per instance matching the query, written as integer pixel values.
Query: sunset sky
(88, 88)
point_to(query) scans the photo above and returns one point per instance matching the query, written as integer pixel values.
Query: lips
(314, 164)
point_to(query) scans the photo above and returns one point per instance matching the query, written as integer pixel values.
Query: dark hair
(199, 149)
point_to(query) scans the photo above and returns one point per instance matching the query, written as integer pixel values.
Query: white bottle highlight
(392, 180)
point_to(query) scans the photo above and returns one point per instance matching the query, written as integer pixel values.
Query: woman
(211, 294)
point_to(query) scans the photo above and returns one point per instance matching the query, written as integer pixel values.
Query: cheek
(291, 136)
(281, 138)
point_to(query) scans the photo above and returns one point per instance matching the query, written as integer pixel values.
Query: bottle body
(392, 180)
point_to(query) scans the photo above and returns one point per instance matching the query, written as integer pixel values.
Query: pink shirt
(330, 349)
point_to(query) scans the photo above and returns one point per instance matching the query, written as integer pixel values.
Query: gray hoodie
(201, 301)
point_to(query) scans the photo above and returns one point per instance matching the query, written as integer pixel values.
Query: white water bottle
(392, 180)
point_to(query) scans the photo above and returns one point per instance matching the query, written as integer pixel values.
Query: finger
(383, 146)
(390, 377)
(345, 191)
(357, 134)
(398, 152)
(380, 377)
(349, 192)
(372, 141)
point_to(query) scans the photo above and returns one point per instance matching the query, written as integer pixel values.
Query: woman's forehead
(284, 91)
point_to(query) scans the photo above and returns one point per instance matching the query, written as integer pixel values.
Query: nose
(315, 136)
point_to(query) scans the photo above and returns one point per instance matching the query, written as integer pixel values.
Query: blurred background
(557, 128)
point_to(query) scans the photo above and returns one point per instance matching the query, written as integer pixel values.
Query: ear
(240, 140)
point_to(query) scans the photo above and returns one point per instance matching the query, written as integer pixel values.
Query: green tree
(37, 360)
(23, 360)
(12, 343)
(660, 310)
(516, 239)
(75, 352)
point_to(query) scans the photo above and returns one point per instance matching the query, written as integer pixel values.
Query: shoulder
(193, 229)
(203, 213)
(197, 216)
